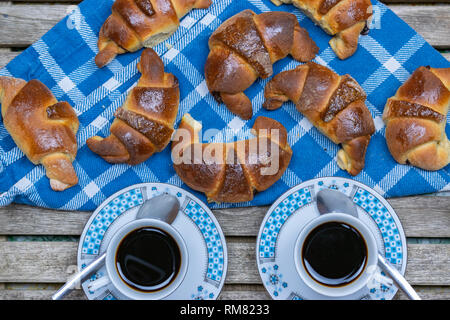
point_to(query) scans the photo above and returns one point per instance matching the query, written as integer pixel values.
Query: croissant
(43, 128)
(231, 172)
(144, 124)
(244, 48)
(343, 19)
(415, 119)
(334, 104)
(134, 24)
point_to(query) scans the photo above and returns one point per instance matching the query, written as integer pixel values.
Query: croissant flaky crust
(334, 104)
(43, 128)
(245, 47)
(134, 24)
(231, 172)
(343, 19)
(416, 117)
(144, 124)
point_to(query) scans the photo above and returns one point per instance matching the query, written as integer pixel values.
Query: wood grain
(26, 220)
(229, 292)
(22, 24)
(384, 1)
(436, 18)
(54, 262)
(411, 212)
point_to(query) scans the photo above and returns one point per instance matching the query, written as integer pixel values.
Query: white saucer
(197, 225)
(295, 208)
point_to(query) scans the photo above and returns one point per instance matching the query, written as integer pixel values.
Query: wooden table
(34, 267)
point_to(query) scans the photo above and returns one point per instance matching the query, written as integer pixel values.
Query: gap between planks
(403, 2)
(421, 216)
(22, 24)
(229, 292)
(55, 262)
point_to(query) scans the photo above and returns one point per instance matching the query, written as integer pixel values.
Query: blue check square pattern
(63, 59)
(388, 228)
(212, 238)
(280, 214)
(106, 216)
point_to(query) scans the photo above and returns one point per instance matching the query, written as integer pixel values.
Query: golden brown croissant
(416, 117)
(43, 128)
(343, 19)
(134, 24)
(231, 172)
(144, 124)
(244, 48)
(334, 104)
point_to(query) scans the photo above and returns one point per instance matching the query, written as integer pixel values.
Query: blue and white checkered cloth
(63, 59)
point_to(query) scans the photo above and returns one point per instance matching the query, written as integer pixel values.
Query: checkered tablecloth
(63, 59)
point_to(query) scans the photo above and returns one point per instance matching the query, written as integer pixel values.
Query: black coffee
(334, 254)
(148, 257)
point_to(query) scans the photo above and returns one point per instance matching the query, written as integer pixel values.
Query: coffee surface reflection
(148, 259)
(334, 254)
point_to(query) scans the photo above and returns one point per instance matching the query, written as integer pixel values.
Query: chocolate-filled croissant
(334, 104)
(245, 47)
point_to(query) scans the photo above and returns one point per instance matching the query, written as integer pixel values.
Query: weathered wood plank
(26, 220)
(420, 258)
(406, 2)
(54, 262)
(425, 263)
(425, 216)
(421, 216)
(229, 292)
(17, 294)
(411, 212)
(6, 55)
(22, 24)
(432, 22)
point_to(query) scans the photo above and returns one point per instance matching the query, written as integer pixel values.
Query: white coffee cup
(113, 276)
(366, 273)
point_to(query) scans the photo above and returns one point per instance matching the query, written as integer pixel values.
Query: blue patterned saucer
(197, 225)
(295, 208)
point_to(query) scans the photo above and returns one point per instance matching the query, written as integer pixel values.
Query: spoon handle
(398, 278)
(77, 278)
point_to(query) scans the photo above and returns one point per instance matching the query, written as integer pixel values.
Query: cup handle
(77, 278)
(398, 278)
(98, 283)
